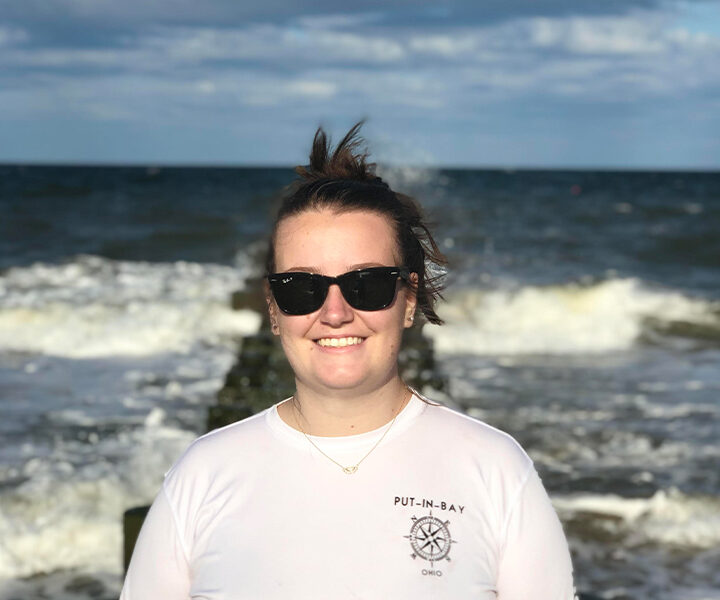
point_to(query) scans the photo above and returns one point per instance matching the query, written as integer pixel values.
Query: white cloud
(600, 35)
(339, 21)
(206, 87)
(274, 91)
(448, 46)
(139, 97)
(596, 58)
(183, 71)
(73, 58)
(271, 44)
(312, 89)
(351, 46)
(12, 35)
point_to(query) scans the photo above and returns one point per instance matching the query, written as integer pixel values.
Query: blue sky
(508, 83)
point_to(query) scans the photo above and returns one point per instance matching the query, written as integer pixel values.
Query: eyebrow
(302, 270)
(357, 267)
(369, 264)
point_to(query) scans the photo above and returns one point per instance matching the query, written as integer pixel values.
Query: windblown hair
(343, 180)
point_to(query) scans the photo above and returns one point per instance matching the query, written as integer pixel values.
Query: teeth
(339, 342)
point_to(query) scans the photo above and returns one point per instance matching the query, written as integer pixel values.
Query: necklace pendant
(350, 470)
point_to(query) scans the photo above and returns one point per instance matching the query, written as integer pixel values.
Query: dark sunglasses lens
(298, 293)
(303, 293)
(369, 289)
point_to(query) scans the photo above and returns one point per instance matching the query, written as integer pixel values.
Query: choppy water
(583, 317)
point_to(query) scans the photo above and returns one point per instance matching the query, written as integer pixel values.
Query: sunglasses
(300, 293)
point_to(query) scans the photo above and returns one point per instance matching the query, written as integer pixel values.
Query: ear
(272, 311)
(411, 300)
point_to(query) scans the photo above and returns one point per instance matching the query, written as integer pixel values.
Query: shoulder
(217, 450)
(466, 437)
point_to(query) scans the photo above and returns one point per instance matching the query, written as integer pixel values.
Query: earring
(274, 326)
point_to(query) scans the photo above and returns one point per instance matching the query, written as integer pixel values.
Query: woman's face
(331, 243)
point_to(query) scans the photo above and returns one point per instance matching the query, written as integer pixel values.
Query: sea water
(582, 317)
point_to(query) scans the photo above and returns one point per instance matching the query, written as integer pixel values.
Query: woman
(356, 486)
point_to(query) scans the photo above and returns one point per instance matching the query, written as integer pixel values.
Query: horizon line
(440, 167)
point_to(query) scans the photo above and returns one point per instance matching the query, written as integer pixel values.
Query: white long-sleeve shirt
(445, 507)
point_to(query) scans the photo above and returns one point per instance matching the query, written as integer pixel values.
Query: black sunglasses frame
(318, 286)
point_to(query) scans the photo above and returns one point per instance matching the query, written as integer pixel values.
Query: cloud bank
(548, 83)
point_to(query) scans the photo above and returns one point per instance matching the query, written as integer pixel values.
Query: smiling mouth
(339, 342)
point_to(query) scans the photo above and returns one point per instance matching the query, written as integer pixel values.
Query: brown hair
(344, 181)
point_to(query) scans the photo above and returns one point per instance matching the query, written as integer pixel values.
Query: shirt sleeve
(159, 566)
(535, 561)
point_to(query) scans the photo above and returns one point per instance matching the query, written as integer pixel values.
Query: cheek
(393, 327)
(293, 328)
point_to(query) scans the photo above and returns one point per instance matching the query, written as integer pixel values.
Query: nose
(336, 311)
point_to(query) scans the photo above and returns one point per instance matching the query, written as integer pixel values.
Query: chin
(347, 381)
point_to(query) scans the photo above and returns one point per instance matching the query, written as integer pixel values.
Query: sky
(467, 83)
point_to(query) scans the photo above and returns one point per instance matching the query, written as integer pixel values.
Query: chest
(329, 535)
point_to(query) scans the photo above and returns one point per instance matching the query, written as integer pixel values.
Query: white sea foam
(91, 452)
(100, 433)
(604, 317)
(400, 177)
(62, 585)
(96, 307)
(65, 516)
(668, 517)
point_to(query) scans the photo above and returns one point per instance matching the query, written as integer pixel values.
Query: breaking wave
(608, 316)
(94, 307)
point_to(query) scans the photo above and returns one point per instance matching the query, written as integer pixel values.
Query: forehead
(333, 242)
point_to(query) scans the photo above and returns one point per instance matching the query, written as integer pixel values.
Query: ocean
(583, 318)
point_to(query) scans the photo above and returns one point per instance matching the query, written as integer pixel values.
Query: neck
(342, 414)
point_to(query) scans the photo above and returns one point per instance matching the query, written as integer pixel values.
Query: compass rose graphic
(430, 538)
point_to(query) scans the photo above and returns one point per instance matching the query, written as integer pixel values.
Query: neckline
(414, 407)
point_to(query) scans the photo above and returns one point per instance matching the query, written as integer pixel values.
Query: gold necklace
(350, 469)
